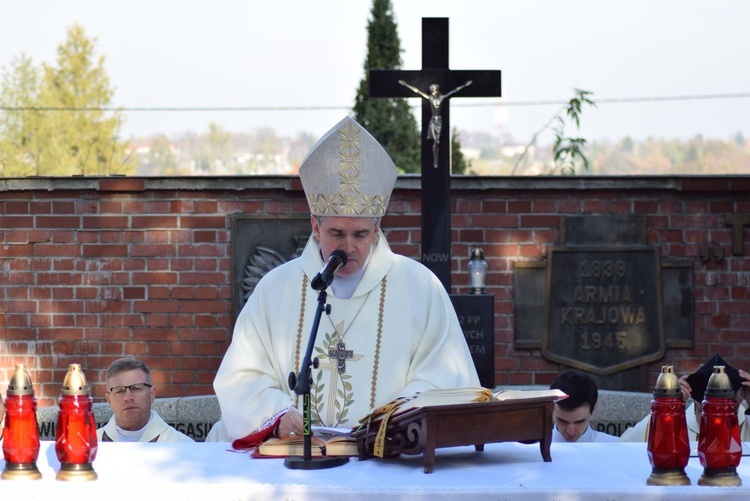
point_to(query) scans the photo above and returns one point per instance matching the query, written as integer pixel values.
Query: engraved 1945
(606, 311)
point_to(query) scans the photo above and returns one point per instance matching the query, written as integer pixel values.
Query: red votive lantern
(719, 445)
(668, 444)
(21, 432)
(75, 438)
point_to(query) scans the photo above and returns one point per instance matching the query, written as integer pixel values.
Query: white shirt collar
(132, 436)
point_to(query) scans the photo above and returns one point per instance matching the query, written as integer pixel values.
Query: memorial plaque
(476, 314)
(528, 304)
(603, 312)
(259, 244)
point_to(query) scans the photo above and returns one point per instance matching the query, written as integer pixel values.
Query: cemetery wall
(93, 269)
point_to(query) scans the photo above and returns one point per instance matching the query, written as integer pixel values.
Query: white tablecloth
(508, 471)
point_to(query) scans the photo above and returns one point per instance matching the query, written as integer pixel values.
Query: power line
(166, 108)
(463, 104)
(700, 97)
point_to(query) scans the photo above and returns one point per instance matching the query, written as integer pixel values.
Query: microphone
(322, 280)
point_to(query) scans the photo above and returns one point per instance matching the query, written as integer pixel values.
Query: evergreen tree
(58, 126)
(390, 121)
(459, 164)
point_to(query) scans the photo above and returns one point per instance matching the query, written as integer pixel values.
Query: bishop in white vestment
(392, 330)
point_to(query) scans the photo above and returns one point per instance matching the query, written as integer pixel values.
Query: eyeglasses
(135, 389)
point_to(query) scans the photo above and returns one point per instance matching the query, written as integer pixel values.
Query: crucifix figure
(436, 183)
(435, 98)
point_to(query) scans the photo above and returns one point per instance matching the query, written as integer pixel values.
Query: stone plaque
(259, 244)
(528, 304)
(476, 314)
(603, 230)
(603, 311)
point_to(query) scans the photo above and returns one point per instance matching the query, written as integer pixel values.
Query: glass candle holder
(21, 430)
(75, 438)
(668, 445)
(719, 445)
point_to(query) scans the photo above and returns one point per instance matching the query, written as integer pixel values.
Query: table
(507, 471)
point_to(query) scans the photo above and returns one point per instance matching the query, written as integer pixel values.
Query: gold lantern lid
(719, 385)
(20, 383)
(667, 384)
(75, 381)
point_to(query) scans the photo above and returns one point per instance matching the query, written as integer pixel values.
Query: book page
(324, 442)
(450, 396)
(506, 395)
(289, 446)
(330, 430)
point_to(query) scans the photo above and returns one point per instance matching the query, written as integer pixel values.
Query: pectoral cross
(341, 354)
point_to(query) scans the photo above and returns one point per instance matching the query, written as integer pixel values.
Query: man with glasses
(130, 394)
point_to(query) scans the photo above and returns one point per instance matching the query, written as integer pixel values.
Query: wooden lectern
(424, 429)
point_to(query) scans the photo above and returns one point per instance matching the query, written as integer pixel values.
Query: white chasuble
(398, 334)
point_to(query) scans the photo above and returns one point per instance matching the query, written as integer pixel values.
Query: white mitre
(347, 173)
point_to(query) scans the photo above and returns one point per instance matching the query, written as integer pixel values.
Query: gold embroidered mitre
(347, 173)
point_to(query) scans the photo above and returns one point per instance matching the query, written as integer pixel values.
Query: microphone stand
(301, 385)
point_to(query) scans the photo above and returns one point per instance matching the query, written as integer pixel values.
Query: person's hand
(290, 424)
(745, 386)
(685, 387)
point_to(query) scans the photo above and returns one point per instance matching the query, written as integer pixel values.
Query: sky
(310, 55)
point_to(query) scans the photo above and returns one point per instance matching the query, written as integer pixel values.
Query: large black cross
(436, 176)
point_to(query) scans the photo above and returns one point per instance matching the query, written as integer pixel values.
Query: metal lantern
(477, 271)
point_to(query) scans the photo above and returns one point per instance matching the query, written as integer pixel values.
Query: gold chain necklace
(340, 336)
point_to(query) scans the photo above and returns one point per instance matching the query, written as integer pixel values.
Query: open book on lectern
(454, 396)
(479, 394)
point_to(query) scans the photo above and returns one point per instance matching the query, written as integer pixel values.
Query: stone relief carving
(264, 260)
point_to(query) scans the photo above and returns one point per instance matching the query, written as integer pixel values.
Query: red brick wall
(94, 269)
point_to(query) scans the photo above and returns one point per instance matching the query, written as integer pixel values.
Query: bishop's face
(353, 235)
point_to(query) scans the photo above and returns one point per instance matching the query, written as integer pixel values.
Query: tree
(568, 152)
(160, 158)
(19, 121)
(60, 125)
(459, 164)
(390, 121)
